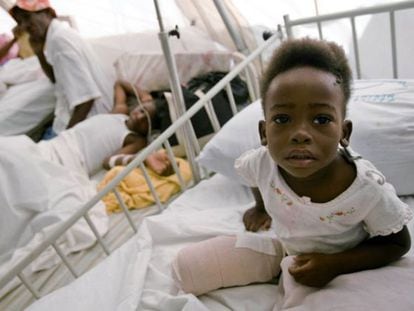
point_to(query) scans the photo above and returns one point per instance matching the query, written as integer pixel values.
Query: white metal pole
(187, 132)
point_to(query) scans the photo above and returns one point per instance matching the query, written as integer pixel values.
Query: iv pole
(186, 132)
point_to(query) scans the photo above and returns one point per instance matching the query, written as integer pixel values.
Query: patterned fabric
(368, 207)
(33, 5)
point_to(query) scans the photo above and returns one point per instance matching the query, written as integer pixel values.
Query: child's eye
(322, 120)
(281, 119)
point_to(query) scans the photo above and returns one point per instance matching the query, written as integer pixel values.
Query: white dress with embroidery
(369, 207)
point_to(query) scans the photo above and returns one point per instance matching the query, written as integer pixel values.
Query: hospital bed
(203, 57)
(137, 276)
(27, 98)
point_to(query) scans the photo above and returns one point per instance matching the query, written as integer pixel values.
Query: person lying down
(69, 159)
(134, 189)
(106, 140)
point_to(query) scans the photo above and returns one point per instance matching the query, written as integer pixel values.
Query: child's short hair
(320, 54)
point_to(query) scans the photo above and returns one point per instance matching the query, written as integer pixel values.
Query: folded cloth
(135, 191)
(218, 262)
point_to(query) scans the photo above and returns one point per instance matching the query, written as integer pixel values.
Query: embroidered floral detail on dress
(331, 217)
(283, 197)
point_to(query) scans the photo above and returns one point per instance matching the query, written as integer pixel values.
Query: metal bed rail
(161, 140)
(351, 15)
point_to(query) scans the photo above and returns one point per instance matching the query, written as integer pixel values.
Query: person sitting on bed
(82, 87)
(332, 210)
(106, 140)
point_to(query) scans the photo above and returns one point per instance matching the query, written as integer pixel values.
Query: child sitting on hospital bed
(332, 211)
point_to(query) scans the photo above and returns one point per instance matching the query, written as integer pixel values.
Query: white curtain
(99, 18)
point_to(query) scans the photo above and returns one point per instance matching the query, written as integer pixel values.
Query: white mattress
(138, 275)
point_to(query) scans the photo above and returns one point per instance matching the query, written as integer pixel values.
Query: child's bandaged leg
(219, 262)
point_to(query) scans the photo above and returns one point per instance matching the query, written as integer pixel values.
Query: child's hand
(314, 270)
(160, 163)
(255, 219)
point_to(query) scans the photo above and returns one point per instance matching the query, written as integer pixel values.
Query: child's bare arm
(80, 113)
(319, 269)
(256, 218)
(158, 161)
(38, 46)
(120, 99)
(135, 144)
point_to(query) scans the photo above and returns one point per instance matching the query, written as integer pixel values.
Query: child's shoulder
(367, 171)
(257, 154)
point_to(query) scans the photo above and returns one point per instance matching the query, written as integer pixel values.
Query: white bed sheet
(36, 196)
(26, 96)
(138, 275)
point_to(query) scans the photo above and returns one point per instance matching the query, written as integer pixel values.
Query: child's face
(304, 120)
(138, 121)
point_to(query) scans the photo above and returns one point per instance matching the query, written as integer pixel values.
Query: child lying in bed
(332, 210)
(106, 140)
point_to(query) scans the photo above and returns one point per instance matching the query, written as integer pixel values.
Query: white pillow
(382, 112)
(238, 135)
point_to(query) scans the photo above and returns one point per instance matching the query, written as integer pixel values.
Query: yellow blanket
(135, 191)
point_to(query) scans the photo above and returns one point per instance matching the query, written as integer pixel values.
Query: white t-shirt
(99, 137)
(369, 207)
(79, 76)
(83, 147)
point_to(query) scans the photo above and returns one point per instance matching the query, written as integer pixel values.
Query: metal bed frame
(160, 141)
(182, 122)
(351, 15)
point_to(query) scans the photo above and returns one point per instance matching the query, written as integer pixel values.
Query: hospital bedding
(215, 207)
(195, 54)
(51, 203)
(138, 275)
(29, 85)
(160, 237)
(27, 98)
(34, 205)
(135, 191)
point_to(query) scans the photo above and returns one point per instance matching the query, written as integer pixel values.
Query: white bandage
(112, 160)
(126, 158)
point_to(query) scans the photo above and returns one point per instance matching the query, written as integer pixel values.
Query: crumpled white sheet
(138, 275)
(26, 96)
(36, 195)
(18, 71)
(387, 288)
